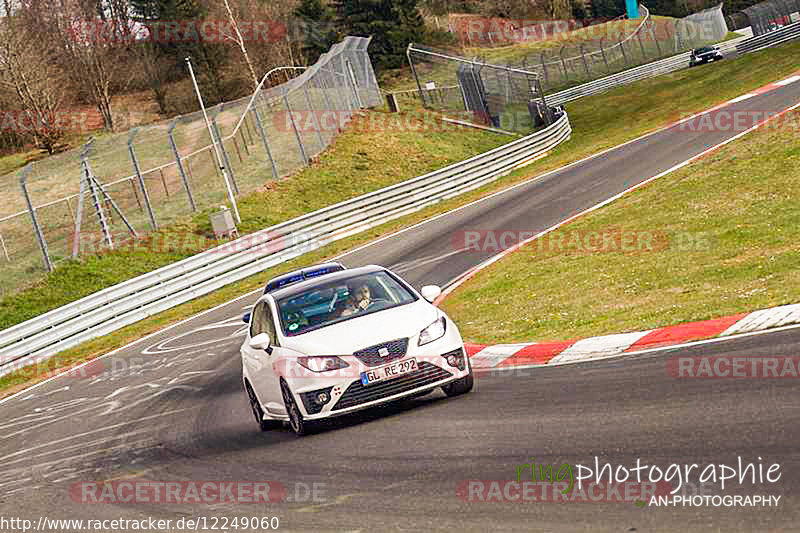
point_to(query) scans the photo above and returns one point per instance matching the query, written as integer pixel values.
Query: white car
(344, 341)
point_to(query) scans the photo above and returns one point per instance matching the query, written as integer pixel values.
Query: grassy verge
(598, 122)
(715, 238)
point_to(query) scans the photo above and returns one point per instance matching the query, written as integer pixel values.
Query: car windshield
(334, 302)
(704, 50)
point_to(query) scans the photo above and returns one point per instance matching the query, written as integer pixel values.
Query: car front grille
(357, 393)
(371, 356)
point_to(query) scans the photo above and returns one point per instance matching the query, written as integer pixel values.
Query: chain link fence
(772, 15)
(588, 54)
(122, 185)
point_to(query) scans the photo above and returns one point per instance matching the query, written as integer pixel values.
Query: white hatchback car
(330, 344)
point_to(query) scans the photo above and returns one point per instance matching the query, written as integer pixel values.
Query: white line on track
(787, 81)
(741, 98)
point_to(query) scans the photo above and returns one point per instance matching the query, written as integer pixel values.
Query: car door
(260, 362)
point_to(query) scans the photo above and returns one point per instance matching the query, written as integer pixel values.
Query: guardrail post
(215, 127)
(294, 128)
(37, 230)
(140, 179)
(263, 136)
(179, 164)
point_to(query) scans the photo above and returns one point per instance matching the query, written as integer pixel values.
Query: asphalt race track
(171, 408)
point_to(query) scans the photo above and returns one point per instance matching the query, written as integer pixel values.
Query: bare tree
(92, 39)
(28, 72)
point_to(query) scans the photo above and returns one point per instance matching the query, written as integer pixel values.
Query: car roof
(300, 275)
(299, 287)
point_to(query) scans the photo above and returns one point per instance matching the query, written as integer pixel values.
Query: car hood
(361, 332)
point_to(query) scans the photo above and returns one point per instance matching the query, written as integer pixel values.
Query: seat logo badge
(383, 352)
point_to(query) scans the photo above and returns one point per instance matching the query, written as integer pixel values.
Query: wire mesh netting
(564, 60)
(152, 176)
(773, 14)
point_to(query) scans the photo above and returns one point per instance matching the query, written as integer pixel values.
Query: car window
(262, 322)
(333, 302)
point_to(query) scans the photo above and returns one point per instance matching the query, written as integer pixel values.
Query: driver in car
(359, 300)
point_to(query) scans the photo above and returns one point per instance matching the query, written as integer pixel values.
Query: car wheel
(258, 413)
(296, 422)
(461, 386)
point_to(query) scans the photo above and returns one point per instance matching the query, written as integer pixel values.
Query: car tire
(297, 423)
(461, 386)
(258, 412)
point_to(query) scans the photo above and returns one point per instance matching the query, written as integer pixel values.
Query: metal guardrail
(786, 33)
(649, 70)
(128, 302)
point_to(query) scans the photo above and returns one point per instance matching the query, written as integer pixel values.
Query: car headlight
(432, 332)
(323, 363)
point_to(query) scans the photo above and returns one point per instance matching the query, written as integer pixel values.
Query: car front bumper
(345, 392)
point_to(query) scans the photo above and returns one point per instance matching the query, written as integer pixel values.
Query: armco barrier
(786, 33)
(115, 307)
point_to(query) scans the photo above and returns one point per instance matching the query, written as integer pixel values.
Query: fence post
(655, 39)
(563, 63)
(263, 136)
(624, 55)
(354, 83)
(36, 228)
(317, 125)
(177, 155)
(641, 46)
(294, 128)
(215, 127)
(5, 250)
(544, 68)
(603, 52)
(98, 205)
(585, 64)
(140, 179)
(414, 71)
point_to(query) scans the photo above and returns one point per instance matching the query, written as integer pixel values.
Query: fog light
(322, 398)
(455, 359)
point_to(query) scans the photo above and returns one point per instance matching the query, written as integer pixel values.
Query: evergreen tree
(392, 25)
(317, 29)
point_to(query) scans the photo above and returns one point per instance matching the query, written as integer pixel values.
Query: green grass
(599, 122)
(715, 238)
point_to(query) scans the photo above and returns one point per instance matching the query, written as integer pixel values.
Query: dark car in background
(705, 54)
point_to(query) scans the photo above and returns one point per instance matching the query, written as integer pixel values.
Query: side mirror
(246, 318)
(431, 292)
(261, 342)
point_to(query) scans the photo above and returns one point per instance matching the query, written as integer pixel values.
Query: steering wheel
(376, 301)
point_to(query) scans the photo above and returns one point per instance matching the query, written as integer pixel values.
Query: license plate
(390, 371)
